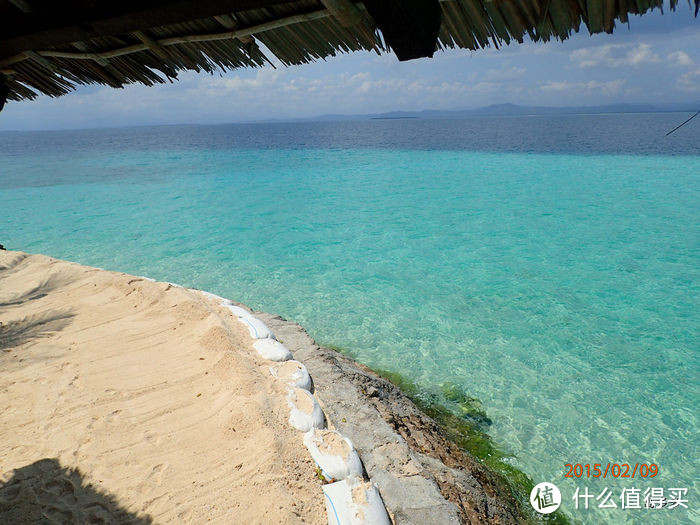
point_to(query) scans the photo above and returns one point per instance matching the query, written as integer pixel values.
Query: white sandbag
(334, 453)
(257, 329)
(305, 412)
(174, 285)
(236, 310)
(292, 373)
(142, 277)
(272, 349)
(354, 502)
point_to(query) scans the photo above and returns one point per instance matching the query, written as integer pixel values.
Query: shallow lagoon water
(528, 261)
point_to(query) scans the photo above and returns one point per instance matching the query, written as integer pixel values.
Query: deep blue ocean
(548, 266)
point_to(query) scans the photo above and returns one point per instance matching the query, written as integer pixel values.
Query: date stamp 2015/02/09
(614, 470)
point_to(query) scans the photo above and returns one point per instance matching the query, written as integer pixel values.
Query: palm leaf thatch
(50, 46)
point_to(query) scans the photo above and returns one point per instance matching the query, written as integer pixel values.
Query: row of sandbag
(350, 500)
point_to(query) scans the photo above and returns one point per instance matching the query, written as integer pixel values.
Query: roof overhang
(50, 46)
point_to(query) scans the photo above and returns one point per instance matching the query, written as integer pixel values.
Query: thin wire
(678, 127)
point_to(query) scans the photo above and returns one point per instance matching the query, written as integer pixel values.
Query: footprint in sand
(152, 437)
(76, 382)
(113, 417)
(156, 474)
(111, 392)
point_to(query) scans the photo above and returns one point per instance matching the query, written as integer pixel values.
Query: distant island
(505, 110)
(393, 118)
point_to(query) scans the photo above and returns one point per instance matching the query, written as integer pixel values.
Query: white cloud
(690, 81)
(221, 86)
(642, 54)
(500, 75)
(680, 58)
(615, 55)
(284, 93)
(611, 87)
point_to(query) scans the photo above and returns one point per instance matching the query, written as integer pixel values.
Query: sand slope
(124, 399)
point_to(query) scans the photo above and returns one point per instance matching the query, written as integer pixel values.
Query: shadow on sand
(49, 284)
(19, 331)
(46, 492)
(12, 261)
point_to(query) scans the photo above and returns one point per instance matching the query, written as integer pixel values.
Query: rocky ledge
(422, 476)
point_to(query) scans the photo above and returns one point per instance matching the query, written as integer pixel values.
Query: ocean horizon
(547, 266)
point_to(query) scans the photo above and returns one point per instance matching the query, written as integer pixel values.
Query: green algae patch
(468, 407)
(338, 349)
(464, 421)
(465, 425)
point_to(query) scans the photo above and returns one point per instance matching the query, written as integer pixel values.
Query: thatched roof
(49, 46)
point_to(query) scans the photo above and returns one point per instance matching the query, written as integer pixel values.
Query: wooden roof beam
(102, 68)
(230, 23)
(171, 41)
(345, 11)
(4, 62)
(154, 46)
(80, 46)
(40, 60)
(61, 24)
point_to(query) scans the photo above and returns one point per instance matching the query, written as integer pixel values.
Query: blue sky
(656, 59)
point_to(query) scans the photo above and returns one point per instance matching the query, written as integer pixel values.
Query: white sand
(153, 392)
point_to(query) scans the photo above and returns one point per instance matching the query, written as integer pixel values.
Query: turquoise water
(560, 289)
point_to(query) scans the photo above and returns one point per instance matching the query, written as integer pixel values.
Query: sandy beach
(133, 385)
(127, 400)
